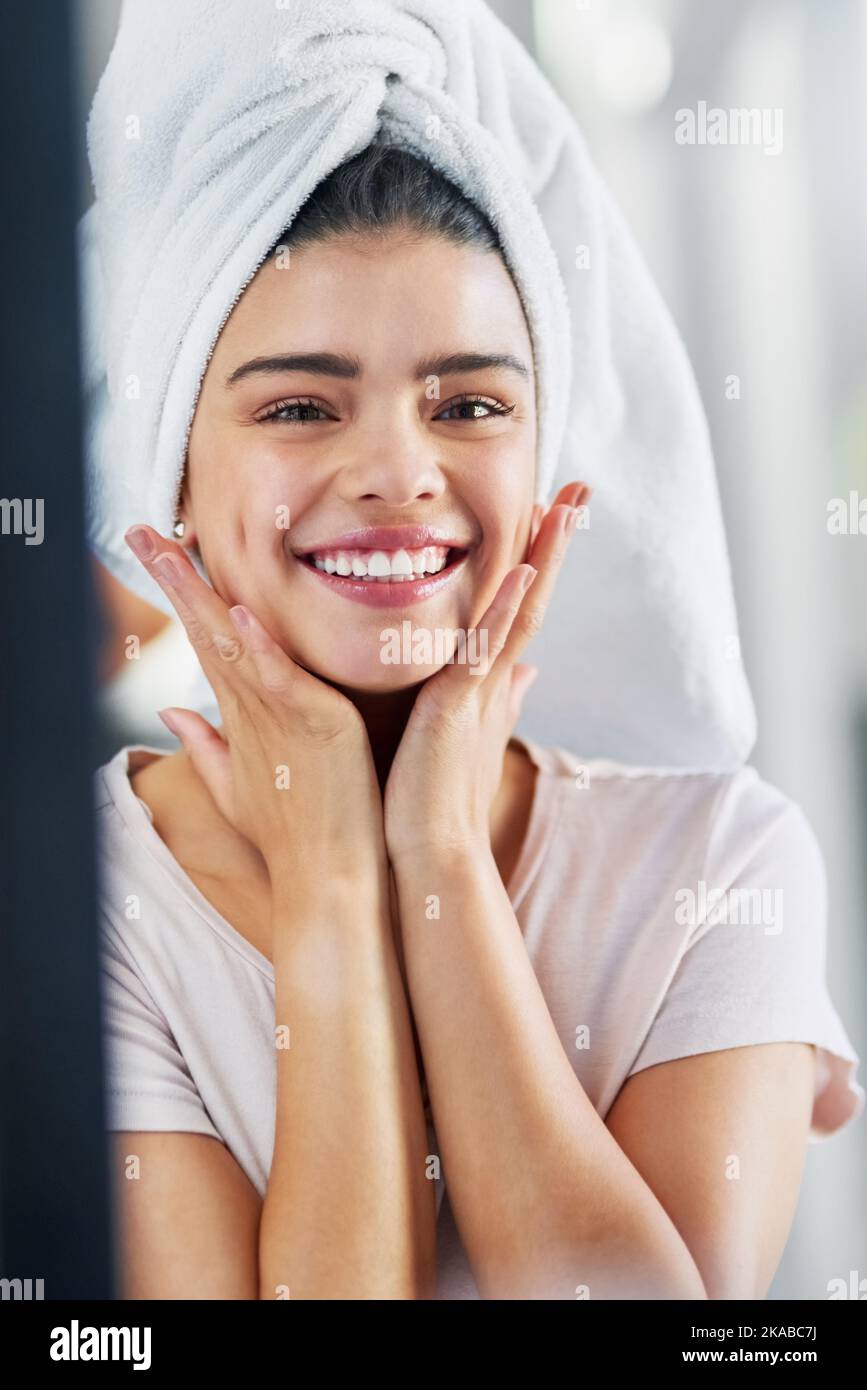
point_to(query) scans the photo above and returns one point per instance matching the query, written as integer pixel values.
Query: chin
(370, 678)
(384, 656)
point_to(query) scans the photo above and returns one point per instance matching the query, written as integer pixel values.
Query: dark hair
(383, 187)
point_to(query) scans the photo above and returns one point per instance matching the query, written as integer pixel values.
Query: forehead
(389, 297)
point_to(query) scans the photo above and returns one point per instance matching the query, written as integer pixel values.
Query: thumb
(207, 750)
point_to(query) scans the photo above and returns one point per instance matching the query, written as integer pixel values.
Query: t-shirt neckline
(136, 815)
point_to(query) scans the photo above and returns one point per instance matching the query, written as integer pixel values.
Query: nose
(396, 463)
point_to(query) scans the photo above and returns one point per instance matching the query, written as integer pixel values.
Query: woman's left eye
(477, 408)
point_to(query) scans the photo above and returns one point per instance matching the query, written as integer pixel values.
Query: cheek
(503, 506)
(242, 548)
(255, 522)
(268, 507)
(250, 486)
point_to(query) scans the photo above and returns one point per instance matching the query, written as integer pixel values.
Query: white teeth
(380, 566)
(400, 563)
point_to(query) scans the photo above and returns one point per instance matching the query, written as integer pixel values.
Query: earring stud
(178, 529)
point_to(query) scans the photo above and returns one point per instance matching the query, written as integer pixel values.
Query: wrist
(452, 853)
(323, 872)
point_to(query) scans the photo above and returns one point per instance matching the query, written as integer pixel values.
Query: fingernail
(169, 720)
(526, 580)
(571, 521)
(240, 617)
(169, 569)
(142, 543)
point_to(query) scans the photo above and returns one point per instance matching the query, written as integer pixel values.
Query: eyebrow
(349, 368)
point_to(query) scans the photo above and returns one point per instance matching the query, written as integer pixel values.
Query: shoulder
(136, 897)
(696, 902)
(720, 817)
(672, 853)
(138, 772)
(118, 815)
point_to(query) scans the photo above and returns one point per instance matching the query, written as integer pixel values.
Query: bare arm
(549, 1199)
(188, 1218)
(545, 1199)
(349, 1212)
(721, 1138)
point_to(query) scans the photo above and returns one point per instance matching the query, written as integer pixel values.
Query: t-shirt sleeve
(753, 970)
(148, 1083)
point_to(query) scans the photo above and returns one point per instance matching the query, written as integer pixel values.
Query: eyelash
(306, 402)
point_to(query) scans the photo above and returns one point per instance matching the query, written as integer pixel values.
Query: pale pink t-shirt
(632, 893)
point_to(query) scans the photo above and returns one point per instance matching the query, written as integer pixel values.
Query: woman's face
(414, 410)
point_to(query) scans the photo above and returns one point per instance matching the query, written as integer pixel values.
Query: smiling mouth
(370, 566)
(381, 578)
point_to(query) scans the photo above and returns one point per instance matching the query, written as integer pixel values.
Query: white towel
(214, 120)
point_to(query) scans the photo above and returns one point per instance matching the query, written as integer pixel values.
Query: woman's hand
(449, 763)
(291, 768)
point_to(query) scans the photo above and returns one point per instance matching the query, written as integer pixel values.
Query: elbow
(609, 1283)
(688, 1284)
(652, 1285)
(594, 1269)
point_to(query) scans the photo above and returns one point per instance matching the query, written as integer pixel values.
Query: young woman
(363, 946)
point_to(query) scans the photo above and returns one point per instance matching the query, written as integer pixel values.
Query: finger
(573, 494)
(535, 523)
(276, 671)
(548, 553)
(494, 627)
(495, 634)
(203, 613)
(318, 710)
(460, 679)
(207, 750)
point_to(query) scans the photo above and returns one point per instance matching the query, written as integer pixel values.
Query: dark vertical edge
(54, 1212)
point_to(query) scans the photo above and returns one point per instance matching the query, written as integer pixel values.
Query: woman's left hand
(449, 763)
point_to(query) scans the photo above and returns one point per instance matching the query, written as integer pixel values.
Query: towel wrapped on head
(213, 122)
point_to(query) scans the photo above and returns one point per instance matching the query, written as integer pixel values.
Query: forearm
(545, 1199)
(349, 1212)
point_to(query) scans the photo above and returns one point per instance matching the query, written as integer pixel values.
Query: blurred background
(762, 259)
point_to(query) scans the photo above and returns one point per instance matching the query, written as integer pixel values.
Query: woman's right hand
(291, 769)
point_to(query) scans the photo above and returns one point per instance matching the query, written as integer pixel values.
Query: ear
(188, 541)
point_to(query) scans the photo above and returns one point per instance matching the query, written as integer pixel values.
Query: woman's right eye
(304, 412)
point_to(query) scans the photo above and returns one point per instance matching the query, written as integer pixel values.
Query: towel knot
(330, 39)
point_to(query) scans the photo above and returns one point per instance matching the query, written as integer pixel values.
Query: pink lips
(391, 538)
(398, 595)
(387, 538)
